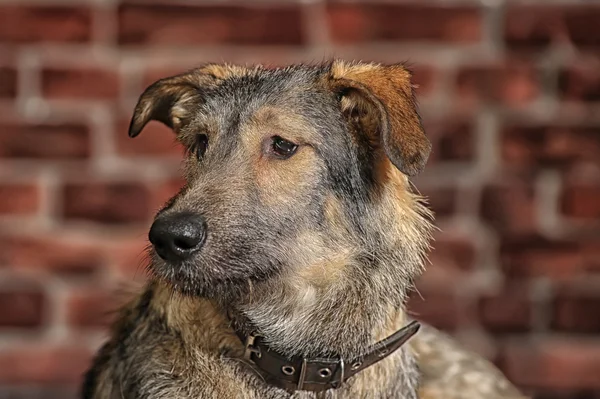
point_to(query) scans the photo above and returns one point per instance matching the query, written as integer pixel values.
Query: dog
(282, 268)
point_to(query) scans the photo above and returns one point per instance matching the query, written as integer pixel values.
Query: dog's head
(287, 170)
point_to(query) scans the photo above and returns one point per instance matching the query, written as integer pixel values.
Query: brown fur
(389, 90)
(317, 252)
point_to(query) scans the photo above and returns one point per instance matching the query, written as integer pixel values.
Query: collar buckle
(342, 370)
(318, 374)
(250, 348)
(302, 377)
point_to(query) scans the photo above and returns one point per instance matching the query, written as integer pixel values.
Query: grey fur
(318, 252)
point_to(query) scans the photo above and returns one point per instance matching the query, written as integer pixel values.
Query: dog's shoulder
(118, 365)
(148, 356)
(449, 371)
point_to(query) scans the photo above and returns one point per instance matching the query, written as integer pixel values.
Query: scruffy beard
(215, 281)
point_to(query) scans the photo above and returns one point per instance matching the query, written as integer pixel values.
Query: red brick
(19, 198)
(507, 311)
(423, 78)
(540, 26)
(8, 82)
(514, 83)
(530, 255)
(56, 252)
(21, 307)
(155, 140)
(439, 308)
(442, 200)
(180, 25)
(354, 22)
(164, 191)
(441, 274)
(575, 308)
(550, 146)
(26, 24)
(509, 207)
(452, 140)
(73, 82)
(452, 251)
(107, 202)
(129, 257)
(580, 83)
(554, 363)
(591, 254)
(35, 363)
(582, 201)
(91, 307)
(70, 141)
(152, 74)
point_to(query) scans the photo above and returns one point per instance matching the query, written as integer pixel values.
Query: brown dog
(287, 258)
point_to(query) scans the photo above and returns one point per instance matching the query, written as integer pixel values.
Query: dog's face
(279, 163)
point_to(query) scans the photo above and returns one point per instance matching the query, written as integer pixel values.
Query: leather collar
(321, 373)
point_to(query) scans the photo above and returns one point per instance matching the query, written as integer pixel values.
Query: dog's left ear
(380, 99)
(172, 100)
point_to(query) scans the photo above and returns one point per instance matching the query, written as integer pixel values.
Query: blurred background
(509, 92)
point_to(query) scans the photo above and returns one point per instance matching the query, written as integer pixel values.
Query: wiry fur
(317, 252)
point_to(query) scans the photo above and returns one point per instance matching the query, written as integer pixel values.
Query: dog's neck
(338, 320)
(347, 290)
(205, 325)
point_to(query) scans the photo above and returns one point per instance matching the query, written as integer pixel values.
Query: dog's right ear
(171, 100)
(380, 99)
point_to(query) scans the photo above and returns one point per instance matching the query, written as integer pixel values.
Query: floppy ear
(380, 99)
(171, 100)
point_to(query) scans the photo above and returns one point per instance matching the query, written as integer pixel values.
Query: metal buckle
(342, 372)
(338, 384)
(249, 348)
(302, 375)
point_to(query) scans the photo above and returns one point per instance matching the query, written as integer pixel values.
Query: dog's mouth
(199, 279)
(185, 277)
(212, 272)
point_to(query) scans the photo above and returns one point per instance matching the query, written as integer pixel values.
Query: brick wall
(510, 93)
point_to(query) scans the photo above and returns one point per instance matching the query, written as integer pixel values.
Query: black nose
(177, 237)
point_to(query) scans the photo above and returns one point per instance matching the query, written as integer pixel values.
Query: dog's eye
(283, 148)
(201, 145)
